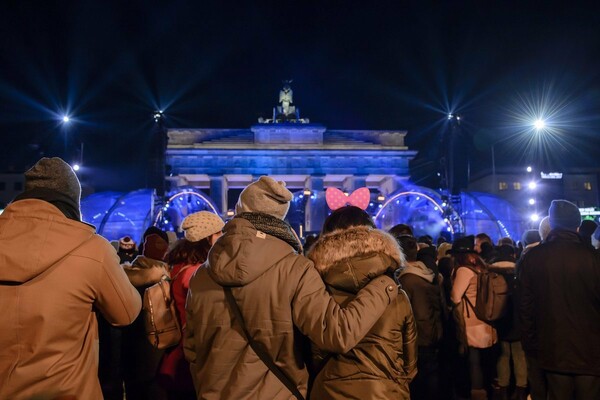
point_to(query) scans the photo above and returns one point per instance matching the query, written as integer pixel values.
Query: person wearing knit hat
(558, 292)
(201, 231)
(58, 279)
(530, 236)
(126, 249)
(200, 225)
(544, 228)
(54, 181)
(564, 215)
(266, 196)
(149, 231)
(257, 266)
(155, 247)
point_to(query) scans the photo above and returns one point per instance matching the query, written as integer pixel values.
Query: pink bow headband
(336, 198)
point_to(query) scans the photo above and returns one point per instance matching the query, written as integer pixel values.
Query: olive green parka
(384, 362)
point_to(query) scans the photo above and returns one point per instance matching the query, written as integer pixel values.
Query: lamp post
(494, 160)
(66, 120)
(157, 154)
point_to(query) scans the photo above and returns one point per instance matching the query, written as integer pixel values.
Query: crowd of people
(352, 313)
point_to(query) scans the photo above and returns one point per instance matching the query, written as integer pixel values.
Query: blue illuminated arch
(117, 214)
(424, 212)
(181, 204)
(484, 212)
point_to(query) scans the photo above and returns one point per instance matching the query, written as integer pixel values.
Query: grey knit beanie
(54, 174)
(564, 214)
(530, 236)
(266, 196)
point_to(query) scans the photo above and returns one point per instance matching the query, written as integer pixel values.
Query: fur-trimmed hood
(348, 259)
(145, 271)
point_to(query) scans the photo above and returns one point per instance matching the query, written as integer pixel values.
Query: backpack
(160, 316)
(492, 296)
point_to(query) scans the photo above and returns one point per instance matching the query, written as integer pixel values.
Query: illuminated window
(516, 185)
(502, 186)
(587, 185)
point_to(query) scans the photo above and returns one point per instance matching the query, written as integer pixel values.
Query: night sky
(355, 65)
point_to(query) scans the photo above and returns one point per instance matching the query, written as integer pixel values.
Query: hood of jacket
(144, 271)
(348, 259)
(35, 235)
(243, 253)
(420, 269)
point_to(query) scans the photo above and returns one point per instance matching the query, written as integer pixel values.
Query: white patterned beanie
(200, 225)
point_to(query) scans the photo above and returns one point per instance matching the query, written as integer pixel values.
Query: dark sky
(355, 65)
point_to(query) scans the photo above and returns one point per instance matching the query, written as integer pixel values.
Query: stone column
(391, 184)
(316, 209)
(352, 183)
(218, 193)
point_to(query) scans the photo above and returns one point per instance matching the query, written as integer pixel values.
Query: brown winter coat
(278, 291)
(383, 363)
(54, 274)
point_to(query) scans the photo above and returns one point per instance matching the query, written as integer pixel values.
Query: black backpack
(492, 296)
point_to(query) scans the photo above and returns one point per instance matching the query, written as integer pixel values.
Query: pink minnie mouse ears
(337, 199)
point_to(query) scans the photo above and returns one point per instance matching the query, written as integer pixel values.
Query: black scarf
(64, 203)
(273, 226)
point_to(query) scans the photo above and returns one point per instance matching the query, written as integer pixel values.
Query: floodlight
(532, 185)
(531, 201)
(66, 118)
(158, 115)
(529, 169)
(76, 167)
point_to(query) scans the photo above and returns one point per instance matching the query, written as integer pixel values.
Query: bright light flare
(534, 217)
(532, 185)
(529, 169)
(76, 167)
(531, 201)
(66, 119)
(541, 120)
(539, 124)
